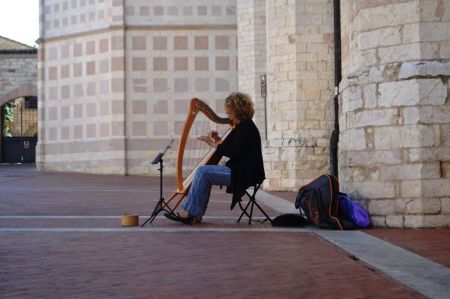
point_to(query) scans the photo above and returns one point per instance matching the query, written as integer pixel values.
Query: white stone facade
(300, 91)
(116, 77)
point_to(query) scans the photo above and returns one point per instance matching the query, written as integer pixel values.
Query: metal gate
(19, 130)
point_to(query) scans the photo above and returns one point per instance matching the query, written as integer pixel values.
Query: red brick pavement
(25, 191)
(146, 264)
(177, 265)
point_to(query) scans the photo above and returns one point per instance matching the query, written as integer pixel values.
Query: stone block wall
(18, 74)
(300, 65)
(383, 32)
(116, 77)
(395, 111)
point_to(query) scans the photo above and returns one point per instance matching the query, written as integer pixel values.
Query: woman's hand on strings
(214, 136)
(212, 139)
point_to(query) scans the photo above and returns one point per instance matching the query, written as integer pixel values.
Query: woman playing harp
(244, 168)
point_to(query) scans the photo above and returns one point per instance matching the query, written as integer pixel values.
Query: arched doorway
(18, 124)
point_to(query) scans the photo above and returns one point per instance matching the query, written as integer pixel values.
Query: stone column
(40, 147)
(394, 149)
(300, 91)
(252, 54)
(118, 92)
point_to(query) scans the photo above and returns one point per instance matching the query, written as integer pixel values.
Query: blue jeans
(205, 177)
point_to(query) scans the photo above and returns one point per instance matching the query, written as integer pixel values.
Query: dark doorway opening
(18, 123)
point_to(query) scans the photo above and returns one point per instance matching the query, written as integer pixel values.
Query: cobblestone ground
(61, 238)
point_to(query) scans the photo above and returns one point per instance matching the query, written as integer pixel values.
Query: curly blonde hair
(241, 104)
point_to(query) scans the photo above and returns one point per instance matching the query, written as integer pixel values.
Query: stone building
(18, 88)
(115, 76)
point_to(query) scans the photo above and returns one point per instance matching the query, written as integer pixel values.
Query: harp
(192, 152)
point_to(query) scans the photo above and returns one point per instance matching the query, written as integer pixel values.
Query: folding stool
(251, 203)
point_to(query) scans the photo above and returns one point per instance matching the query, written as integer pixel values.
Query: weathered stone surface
(445, 206)
(425, 221)
(404, 137)
(412, 92)
(441, 153)
(409, 189)
(379, 117)
(395, 221)
(423, 206)
(436, 188)
(346, 83)
(445, 169)
(367, 58)
(352, 99)
(370, 96)
(386, 36)
(356, 158)
(388, 15)
(426, 115)
(425, 68)
(411, 33)
(378, 221)
(434, 10)
(400, 205)
(445, 135)
(354, 139)
(434, 32)
(372, 190)
(403, 52)
(410, 171)
(411, 115)
(381, 207)
(391, 71)
(366, 173)
(376, 74)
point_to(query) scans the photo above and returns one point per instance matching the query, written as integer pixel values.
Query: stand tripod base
(162, 205)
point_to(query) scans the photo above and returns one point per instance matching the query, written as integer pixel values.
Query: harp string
(196, 149)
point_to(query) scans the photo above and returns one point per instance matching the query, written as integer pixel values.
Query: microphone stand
(161, 205)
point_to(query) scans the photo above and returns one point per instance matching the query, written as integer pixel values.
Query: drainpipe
(334, 140)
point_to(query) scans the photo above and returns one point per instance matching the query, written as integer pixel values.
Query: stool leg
(267, 216)
(252, 200)
(244, 211)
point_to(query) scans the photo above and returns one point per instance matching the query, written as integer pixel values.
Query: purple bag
(354, 211)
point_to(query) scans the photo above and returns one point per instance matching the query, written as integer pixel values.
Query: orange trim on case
(329, 206)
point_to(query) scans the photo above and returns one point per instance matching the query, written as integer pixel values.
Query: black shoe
(184, 220)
